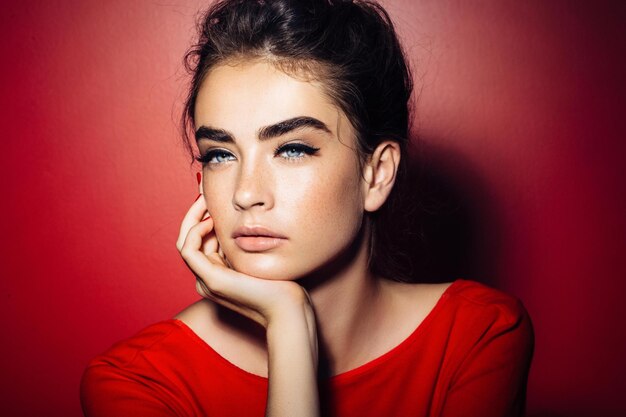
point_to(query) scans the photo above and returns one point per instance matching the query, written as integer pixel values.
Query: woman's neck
(349, 303)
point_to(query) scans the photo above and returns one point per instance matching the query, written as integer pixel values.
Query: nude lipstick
(257, 238)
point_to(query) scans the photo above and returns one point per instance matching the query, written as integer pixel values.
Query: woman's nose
(253, 188)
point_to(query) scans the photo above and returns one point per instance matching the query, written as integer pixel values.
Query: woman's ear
(379, 174)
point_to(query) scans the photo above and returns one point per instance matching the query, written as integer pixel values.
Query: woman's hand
(284, 308)
(259, 299)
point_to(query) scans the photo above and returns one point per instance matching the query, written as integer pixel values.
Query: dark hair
(351, 47)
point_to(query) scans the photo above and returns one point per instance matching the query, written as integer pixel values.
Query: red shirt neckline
(351, 374)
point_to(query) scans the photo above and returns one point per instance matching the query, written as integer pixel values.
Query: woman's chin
(264, 268)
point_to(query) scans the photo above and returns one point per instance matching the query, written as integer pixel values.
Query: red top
(469, 357)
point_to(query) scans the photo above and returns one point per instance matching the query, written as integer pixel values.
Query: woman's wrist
(293, 361)
(294, 326)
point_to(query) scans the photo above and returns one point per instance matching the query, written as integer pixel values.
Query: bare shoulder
(408, 305)
(422, 296)
(199, 317)
(234, 337)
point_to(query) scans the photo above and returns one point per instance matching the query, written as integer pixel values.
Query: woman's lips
(257, 238)
(258, 243)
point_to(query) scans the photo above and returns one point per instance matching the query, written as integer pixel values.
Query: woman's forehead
(250, 95)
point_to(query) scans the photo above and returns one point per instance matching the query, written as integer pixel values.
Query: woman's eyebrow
(211, 133)
(286, 126)
(266, 132)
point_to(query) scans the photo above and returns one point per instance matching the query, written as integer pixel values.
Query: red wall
(520, 115)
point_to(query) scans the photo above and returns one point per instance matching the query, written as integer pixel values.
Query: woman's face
(281, 176)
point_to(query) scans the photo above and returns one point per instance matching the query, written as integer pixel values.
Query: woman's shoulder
(151, 338)
(164, 366)
(162, 342)
(134, 366)
(233, 337)
(475, 314)
(472, 295)
(459, 302)
(461, 310)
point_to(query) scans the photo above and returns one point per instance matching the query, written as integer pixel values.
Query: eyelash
(301, 148)
(209, 155)
(306, 150)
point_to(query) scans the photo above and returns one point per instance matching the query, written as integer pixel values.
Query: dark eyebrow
(286, 126)
(266, 132)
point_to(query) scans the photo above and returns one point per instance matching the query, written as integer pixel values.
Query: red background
(521, 120)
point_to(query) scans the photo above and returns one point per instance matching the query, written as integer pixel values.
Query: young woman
(299, 111)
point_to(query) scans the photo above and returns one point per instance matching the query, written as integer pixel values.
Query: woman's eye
(217, 156)
(295, 151)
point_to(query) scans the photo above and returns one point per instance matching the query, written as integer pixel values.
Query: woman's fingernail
(198, 177)
(197, 198)
(206, 218)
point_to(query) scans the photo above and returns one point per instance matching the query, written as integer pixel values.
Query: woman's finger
(220, 252)
(210, 244)
(195, 214)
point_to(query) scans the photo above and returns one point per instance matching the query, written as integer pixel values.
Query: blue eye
(217, 156)
(295, 151)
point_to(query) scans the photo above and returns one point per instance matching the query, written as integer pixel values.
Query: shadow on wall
(454, 230)
(458, 230)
